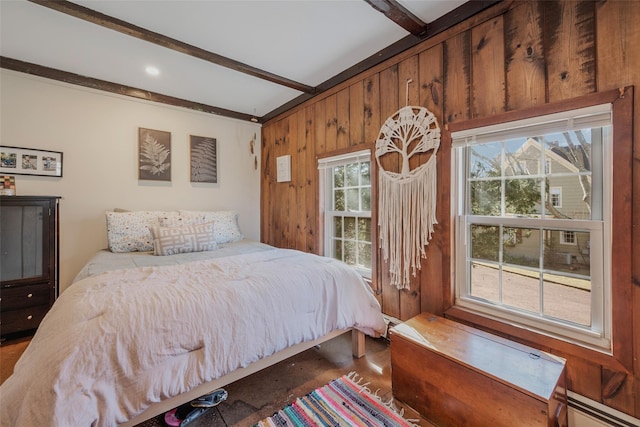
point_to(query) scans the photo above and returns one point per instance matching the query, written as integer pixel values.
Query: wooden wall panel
(569, 30)
(431, 78)
(331, 118)
(389, 104)
(371, 111)
(488, 65)
(342, 114)
(584, 376)
(266, 187)
(515, 55)
(312, 243)
(356, 114)
(431, 97)
(372, 121)
(524, 56)
(285, 204)
(409, 94)
(320, 117)
(456, 78)
(298, 186)
(277, 201)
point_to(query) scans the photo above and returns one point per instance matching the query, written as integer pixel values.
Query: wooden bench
(455, 375)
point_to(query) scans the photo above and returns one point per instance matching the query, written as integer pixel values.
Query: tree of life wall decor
(154, 155)
(407, 198)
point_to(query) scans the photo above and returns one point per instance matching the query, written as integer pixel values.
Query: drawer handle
(29, 317)
(29, 296)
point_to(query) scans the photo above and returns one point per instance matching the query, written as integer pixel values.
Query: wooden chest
(455, 375)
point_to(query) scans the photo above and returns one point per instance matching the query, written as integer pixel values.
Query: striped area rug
(342, 402)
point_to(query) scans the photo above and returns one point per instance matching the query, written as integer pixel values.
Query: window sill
(533, 339)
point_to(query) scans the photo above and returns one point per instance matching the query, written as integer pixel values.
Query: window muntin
(523, 254)
(347, 209)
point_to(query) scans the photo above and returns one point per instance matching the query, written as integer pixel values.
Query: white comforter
(119, 341)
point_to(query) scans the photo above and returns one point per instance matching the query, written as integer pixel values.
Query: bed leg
(357, 343)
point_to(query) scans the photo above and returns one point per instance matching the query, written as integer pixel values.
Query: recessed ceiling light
(152, 71)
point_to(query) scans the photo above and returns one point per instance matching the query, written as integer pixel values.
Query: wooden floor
(260, 395)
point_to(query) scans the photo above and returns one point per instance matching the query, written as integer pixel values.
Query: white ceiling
(307, 41)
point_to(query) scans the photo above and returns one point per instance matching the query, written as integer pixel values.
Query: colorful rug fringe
(342, 402)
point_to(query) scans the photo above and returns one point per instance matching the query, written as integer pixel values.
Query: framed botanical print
(154, 155)
(204, 159)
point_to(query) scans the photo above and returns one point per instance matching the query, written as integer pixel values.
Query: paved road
(521, 291)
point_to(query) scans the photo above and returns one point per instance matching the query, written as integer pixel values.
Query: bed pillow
(129, 231)
(179, 240)
(226, 228)
(179, 220)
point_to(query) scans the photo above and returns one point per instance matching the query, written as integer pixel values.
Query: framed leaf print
(154, 155)
(204, 159)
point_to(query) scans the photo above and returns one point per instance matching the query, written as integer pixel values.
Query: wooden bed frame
(358, 350)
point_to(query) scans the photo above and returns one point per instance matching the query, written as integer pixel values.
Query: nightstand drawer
(17, 297)
(22, 320)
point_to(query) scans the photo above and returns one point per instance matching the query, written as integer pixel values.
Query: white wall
(98, 135)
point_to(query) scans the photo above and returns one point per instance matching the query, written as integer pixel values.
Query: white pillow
(129, 231)
(226, 228)
(178, 240)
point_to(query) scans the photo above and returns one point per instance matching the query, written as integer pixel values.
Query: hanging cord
(406, 101)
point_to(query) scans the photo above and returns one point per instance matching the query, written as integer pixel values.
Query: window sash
(595, 336)
(589, 117)
(598, 335)
(344, 159)
(326, 167)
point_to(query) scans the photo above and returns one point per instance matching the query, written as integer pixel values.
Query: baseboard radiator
(584, 412)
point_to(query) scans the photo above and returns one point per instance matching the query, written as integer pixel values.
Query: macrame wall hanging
(407, 199)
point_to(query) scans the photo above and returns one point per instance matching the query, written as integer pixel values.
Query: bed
(137, 334)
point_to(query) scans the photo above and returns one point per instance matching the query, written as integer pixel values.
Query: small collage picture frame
(30, 161)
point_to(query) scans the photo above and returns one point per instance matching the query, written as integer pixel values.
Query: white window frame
(598, 335)
(328, 213)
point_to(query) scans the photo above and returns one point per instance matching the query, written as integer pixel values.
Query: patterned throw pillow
(129, 231)
(178, 240)
(226, 223)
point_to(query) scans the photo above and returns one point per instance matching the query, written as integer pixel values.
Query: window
(523, 254)
(555, 195)
(346, 203)
(568, 237)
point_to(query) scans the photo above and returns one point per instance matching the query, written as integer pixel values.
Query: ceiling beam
(89, 82)
(129, 29)
(400, 15)
(456, 16)
(443, 23)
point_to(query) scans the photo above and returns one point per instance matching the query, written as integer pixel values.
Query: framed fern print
(154, 155)
(204, 159)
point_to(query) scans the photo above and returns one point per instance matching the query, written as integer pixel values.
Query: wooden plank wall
(515, 55)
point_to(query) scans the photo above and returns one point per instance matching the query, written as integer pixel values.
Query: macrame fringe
(359, 381)
(406, 217)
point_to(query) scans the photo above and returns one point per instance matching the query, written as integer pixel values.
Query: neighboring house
(565, 167)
